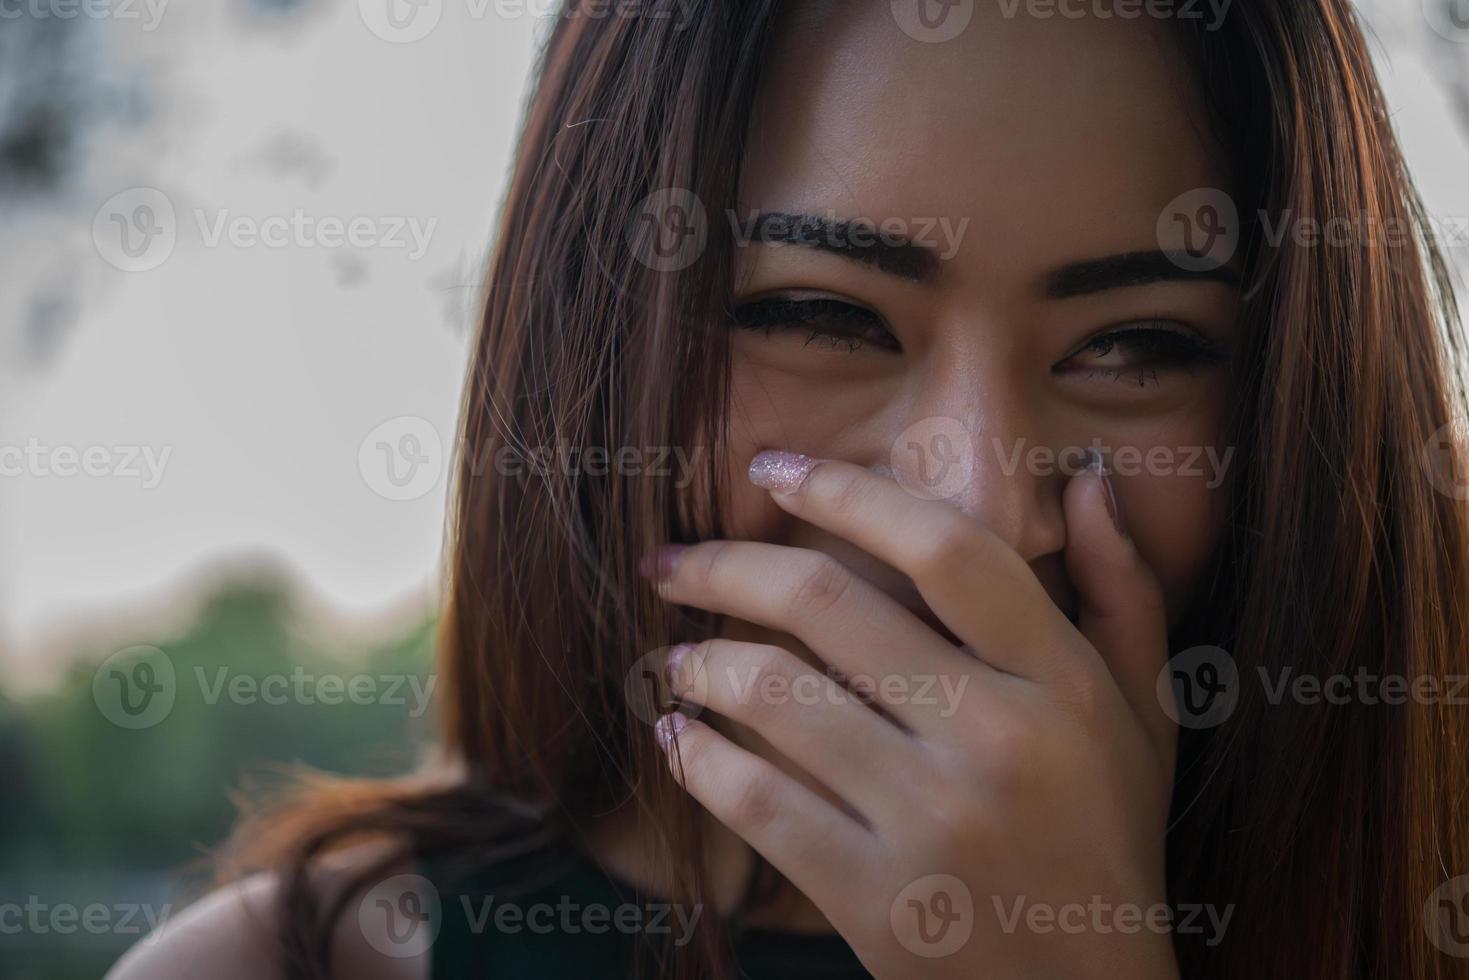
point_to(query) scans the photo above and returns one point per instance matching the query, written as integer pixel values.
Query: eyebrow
(858, 240)
(1132, 269)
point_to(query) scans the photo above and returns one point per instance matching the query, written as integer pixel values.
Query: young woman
(1047, 369)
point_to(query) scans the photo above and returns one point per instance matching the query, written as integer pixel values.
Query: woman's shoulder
(386, 905)
(233, 932)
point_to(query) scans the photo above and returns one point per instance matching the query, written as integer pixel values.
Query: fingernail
(666, 729)
(781, 472)
(676, 658)
(658, 564)
(1094, 463)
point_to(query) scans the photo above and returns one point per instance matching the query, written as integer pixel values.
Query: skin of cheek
(1172, 480)
(770, 410)
(1174, 519)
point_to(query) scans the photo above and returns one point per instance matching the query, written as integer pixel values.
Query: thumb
(1121, 610)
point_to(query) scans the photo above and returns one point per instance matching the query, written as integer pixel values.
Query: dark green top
(552, 915)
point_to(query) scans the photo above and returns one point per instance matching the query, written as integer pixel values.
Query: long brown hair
(1325, 827)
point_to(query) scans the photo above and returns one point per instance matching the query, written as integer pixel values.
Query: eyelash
(1156, 339)
(847, 326)
(828, 320)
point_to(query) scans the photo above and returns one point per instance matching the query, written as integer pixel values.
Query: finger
(805, 716)
(976, 584)
(808, 839)
(1121, 610)
(850, 624)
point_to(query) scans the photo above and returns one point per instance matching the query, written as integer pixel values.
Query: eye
(825, 321)
(1137, 353)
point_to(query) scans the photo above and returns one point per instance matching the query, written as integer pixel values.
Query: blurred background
(241, 243)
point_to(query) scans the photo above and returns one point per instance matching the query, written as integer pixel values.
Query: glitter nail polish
(781, 472)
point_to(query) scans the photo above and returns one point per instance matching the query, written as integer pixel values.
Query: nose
(981, 445)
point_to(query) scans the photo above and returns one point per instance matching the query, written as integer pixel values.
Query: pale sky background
(262, 370)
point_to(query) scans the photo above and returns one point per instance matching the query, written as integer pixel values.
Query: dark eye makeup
(1133, 353)
(828, 322)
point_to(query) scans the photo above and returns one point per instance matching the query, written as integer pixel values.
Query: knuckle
(931, 775)
(958, 822)
(710, 557)
(845, 494)
(755, 805)
(954, 795)
(817, 847)
(819, 587)
(1078, 688)
(767, 675)
(1145, 598)
(1150, 598)
(1082, 693)
(1007, 758)
(957, 543)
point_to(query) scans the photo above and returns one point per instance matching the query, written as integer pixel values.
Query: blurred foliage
(97, 813)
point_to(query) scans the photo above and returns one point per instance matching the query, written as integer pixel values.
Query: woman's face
(1008, 304)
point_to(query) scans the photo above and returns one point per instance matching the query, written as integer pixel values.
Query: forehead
(1058, 138)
